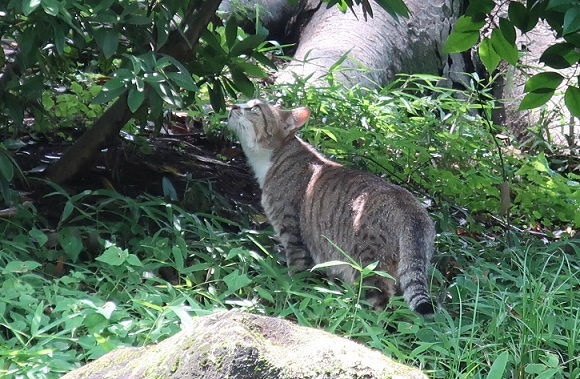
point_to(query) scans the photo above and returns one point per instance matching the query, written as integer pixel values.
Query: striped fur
(310, 200)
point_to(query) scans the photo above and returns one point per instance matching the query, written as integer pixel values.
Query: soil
(137, 165)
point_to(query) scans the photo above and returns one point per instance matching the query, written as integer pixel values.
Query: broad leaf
(520, 17)
(465, 34)
(28, 6)
(508, 30)
(488, 56)
(498, 367)
(543, 82)
(251, 69)
(114, 88)
(506, 50)
(560, 55)
(246, 45)
(535, 99)
(242, 82)
(135, 99)
(108, 40)
(571, 20)
(183, 80)
(113, 256)
(394, 7)
(572, 100)
(231, 32)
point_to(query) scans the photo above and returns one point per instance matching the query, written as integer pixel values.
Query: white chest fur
(259, 160)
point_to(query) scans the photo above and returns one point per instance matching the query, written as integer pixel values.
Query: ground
(184, 155)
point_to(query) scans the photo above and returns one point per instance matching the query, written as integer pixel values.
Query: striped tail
(415, 254)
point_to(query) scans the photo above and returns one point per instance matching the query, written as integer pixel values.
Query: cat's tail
(416, 251)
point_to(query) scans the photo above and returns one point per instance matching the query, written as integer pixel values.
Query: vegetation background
(90, 265)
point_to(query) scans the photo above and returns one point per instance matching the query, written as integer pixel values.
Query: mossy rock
(246, 346)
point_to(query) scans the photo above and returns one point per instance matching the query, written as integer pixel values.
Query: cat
(312, 201)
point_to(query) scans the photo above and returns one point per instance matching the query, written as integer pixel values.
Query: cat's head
(263, 126)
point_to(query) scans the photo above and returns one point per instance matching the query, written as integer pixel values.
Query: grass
(118, 271)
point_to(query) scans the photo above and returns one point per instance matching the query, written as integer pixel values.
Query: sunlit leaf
(113, 256)
(465, 34)
(506, 50)
(488, 56)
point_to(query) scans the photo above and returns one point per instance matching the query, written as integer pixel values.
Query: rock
(238, 345)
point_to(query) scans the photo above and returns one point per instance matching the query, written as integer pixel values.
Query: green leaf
(535, 368)
(183, 80)
(535, 99)
(543, 82)
(508, 30)
(572, 100)
(264, 60)
(520, 17)
(329, 264)
(50, 7)
(38, 235)
(59, 38)
(134, 260)
(236, 281)
(241, 81)
(167, 93)
(6, 167)
(246, 45)
(479, 8)
(178, 258)
(114, 88)
(231, 32)
(108, 40)
(135, 99)
(211, 40)
(488, 56)
(216, 97)
(498, 367)
(70, 243)
(561, 55)
(507, 51)
(168, 189)
(28, 6)
(251, 69)
(21, 266)
(394, 7)
(571, 20)
(113, 256)
(465, 34)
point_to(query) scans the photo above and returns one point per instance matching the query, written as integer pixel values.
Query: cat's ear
(300, 116)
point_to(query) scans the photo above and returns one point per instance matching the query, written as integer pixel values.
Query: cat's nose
(234, 106)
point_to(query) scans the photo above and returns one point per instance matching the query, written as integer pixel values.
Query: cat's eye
(255, 109)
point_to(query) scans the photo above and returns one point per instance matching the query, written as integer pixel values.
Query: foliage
(423, 136)
(115, 271)
(482, 17)
(122, 45)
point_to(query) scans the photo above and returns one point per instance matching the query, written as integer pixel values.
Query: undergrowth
(117, 271)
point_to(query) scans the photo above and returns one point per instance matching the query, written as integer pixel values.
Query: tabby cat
(311, 201)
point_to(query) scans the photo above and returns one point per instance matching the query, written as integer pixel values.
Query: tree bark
(84, 151)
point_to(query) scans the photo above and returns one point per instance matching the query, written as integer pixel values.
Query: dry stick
(107, 127)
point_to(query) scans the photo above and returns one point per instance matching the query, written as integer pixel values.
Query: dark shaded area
(136, 165)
